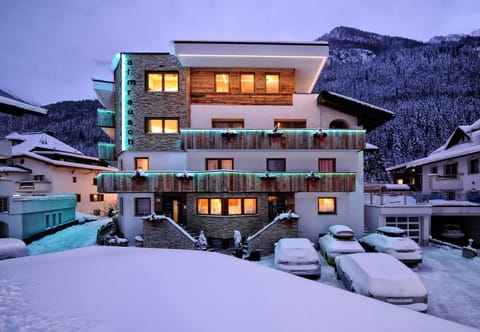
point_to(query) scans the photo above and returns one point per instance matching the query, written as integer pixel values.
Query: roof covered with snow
(15, 106)
(369, 116)
(463, 141)
(47, 148)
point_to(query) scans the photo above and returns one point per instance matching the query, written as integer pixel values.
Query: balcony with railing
(273, 139)
(34, 186)
(5, 148)
(225, 181)
(446, 182)
(107, 151)
(106, 121)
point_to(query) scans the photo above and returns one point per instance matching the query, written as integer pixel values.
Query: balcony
(268, 139)
(106, 121)
(5, 148)
(446, 183)
(34, 186)
(107, 151)
(225, 181)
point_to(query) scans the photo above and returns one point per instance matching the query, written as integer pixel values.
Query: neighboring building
(41, 164)
(23, 216)
(228, 135)
(448, 180)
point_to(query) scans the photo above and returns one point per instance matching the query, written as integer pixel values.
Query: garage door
(411, 225)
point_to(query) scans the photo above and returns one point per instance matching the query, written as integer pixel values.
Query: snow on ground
(452, 282)
(72, 237)
(141, 289)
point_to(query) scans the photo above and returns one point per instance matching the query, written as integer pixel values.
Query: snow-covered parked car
(297, 256)
(382, 277)
(339, 240)
(12, 248)
(392, 240)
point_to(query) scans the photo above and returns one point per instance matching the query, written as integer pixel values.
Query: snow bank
(141, 289)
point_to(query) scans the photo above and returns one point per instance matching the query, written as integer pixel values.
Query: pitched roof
(42, 146)
(369, 116)
(12, 105)
(464, 140)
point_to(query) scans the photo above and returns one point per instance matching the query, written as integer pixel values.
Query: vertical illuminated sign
(127, 102)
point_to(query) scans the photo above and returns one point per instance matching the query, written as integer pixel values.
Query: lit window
(327, 205)
(161, 125)
(249, 205)
(141, 163)
(96, 198)
(247, 83)
(142, 206)
(222, 82)
(226, 206)
(276, 165)
(326, 165)
(234, 206)
(159, 81)
(213, 164)
(272, 83)
(202, 206)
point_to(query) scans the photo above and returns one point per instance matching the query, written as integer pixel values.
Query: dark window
(434, 170)
(142, 206)
(39, 177)
(95, 181)
(161, 125)
(473, 166)
(326, 165)
(3, 204)
(162, 81)
(276, 165)
(74, 179)
(451, 170)
(79, 197)
(338, 124)
(290, 123)
(228, 123)
(213, 164)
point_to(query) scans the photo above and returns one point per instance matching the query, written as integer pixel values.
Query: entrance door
(276, 205)
(173, 207)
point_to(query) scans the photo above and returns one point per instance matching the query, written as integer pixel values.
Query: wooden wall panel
(221, 181)
(202, 87)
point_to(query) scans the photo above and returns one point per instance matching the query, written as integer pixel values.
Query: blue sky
(50, 49)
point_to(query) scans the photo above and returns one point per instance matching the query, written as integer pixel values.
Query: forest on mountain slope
(430, 87)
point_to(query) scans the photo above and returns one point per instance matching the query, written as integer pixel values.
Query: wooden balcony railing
(225, 181)
(267, 139)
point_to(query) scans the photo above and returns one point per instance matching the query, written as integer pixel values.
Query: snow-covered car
(392, 240)
(339, 240)
(297, 256)
(12, 248)
(452, 231)
(382, 277)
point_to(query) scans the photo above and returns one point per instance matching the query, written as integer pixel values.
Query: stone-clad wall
(222, 227)
(163, 234)
(265, 240)
(143, 104)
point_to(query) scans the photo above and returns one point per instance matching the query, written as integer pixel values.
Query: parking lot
(453, 283)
